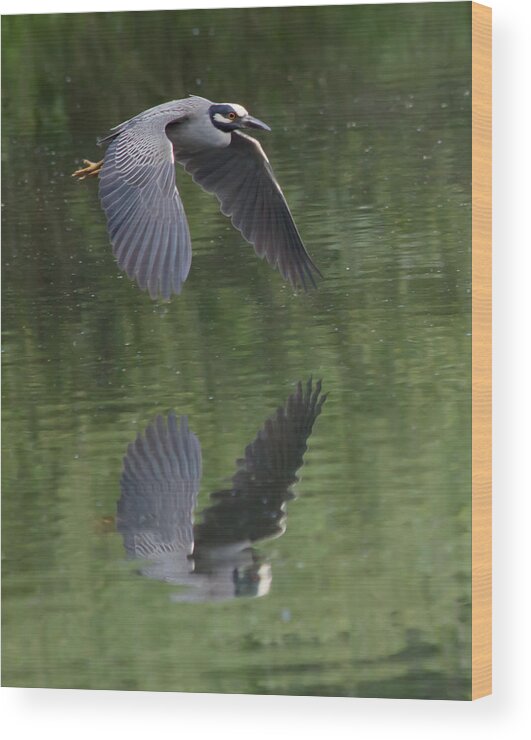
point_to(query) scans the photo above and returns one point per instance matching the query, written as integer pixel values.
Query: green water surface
(370, 110)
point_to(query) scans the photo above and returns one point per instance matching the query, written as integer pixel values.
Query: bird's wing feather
(159, 486)
(275, 455)
(145, 216)
(241, 178)
(253, 508)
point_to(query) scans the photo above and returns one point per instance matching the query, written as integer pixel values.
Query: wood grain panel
(481, 350)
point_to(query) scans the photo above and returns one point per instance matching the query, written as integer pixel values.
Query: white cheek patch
(222, 118)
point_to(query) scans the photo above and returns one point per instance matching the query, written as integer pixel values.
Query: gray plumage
(160, 482)
(159, 487)
(145, 215)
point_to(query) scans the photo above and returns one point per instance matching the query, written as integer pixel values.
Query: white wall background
(76, 715)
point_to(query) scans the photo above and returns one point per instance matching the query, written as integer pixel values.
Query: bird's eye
(231, 116)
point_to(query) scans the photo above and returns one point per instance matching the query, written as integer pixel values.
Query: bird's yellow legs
(91, 169)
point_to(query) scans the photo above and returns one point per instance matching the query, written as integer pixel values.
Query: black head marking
(226, 117)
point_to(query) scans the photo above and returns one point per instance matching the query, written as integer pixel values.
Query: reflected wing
(159, 484)
(276, 453)
(241, 178)
(145, 216)
(253, 508)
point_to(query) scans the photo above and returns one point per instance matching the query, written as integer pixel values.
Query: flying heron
(145, 215)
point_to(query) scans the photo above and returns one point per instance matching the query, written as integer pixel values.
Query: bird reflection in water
(160, 482)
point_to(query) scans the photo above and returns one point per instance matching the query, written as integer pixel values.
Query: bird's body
(145, 215)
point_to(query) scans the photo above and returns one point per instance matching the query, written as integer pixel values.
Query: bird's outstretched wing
(145, 215)
(274, 456)
(241, 178)
(159, 485)
(253, 508)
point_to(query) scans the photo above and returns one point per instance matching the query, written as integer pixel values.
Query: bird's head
(230, 116)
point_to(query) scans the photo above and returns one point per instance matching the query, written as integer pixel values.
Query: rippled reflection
(160, 482)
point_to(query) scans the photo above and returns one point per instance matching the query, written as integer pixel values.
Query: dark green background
(371, 118)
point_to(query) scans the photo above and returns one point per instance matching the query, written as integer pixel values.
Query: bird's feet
(91, 169)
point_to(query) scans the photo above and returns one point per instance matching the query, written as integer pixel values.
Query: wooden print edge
(481, 351)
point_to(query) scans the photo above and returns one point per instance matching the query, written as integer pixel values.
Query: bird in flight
(213, 558)
(146, 221)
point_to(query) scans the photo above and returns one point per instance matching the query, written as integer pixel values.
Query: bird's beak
(251, 122)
